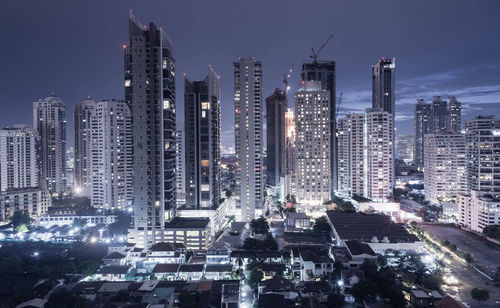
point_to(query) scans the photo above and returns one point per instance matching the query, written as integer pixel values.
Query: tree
(396, 298)
(364, 289)
(268, 244)
(22, 228)
(321, 225)
(254, 278)
(62, 298)
(335, 300)
(480, 294)
(120, 296)
(229, 193)
(188, 300)
(259, 226)
(79, 222)
(20, 218)
(122, 223)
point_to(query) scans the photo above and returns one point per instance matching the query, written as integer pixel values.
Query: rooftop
(114, 270)
(357, 248)
(114, 255)
(166, 246)
(365, 227)
(187, 223)
(191, 268)
(166, 268)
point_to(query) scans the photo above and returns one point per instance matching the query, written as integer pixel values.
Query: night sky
(74, 48)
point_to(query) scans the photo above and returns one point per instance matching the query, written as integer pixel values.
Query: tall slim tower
(19, 164)
(150, 94)
(290, 154)
(276, 105)
(202, 142)
(81, 121)
(180, 165)
(454, 115)
(49, 121)
(248, 136)
(324, 71)
(383, 89)
(313, 144)
(422, 118)
(439, 118)
(110, 157)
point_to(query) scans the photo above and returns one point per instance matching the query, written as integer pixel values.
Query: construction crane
(315, 54)
(287, 76)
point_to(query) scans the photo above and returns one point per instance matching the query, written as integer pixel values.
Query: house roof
(366, 227)
(276, 284)
(113, 287)
(315, 287)
(166, 246)
(357, 248)
(219, 245)
(36, 302)
(272, 301)
(273, 267)
(191, 268)
(218, 268)
(114, 270)
(166, 268)
(448, 302)
(113, 256)
(318, 256)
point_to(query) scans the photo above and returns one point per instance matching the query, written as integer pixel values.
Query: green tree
(122, 223)
(229, 193)
(22, 228)
(79, 222)
(254, 278)
(480, 294)
(364, 289)
(20, 218)
(335, 300)
(259, 226)
(62, 298)
(321, 225)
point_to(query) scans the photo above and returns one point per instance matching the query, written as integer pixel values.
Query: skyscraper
(482, 136)
(324, 71)
(248, 136)
(445, 165)
(49, 121)
(379, 154)
(439, 118)
(454, 115)
(180, 165)
(312, 107)
(351, 144)
(150, 94)
(405, 144)
(81, 122)
(110, 155)
(19, 164)
(290, 153)
(383, 89)
(202, 142)
(423, 114)
(276, 104)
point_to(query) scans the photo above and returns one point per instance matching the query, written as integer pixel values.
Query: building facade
(202, 142)
(31, 201)
(248, 137)
(405, 145)
(49, 121)
(276, 105)
(19, 161)
(180, 165)
(110, 159)
(290, 156)
(150, 94)
(478, 210)
(351, 148)
(423, 113)
(445, 164)
(440, 115)
(312, 107)
(81, 121)
(454, 115)
(383, 85)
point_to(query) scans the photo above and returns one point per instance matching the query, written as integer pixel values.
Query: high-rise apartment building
(19, 163)
(405, 144)
(439, 117)
(383, 85)
(325, 72)
(180, 169)
(290, 153)
(351, 155)
(81, 121)
(49, 121)
(445, 165)
(379, 154)
(150, 94)
(482, 136)
(276, 104)
(110, 155)
(423, 117)
(454, 115)
(248, 136)
(478, 210)
(202, 142)
(312, 108)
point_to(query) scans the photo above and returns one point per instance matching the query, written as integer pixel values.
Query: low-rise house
(359, 252)
(166, 271)
(230, 295)
(270, 270)
(314, 264)
(114, 258)
(218, 271)
(317, 289)
(424, 298)
(113, 272)
(348, 278)
(280, 286)
(161, 297)
(191, 271)
(297, 222)
(218, 253)
(448, 302)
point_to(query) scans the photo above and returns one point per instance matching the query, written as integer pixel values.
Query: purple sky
(446, 47)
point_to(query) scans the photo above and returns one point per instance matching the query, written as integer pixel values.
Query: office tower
(379, 154)
(423, 114)
(110, 158)
(482, 136)
(150, 94)
(383, 78)
(276, 105)
(180, 169)
(478, 210)
(248, 136)
(439, 117)
(445, 167)
(49, 121)
(351, 155)
(19, 164)
(81, 120)
(405, 145)
(454, 115)
(290, 155)
(312, 107)
(202, 142)
(324, 71)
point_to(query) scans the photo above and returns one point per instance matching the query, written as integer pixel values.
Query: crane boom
(315, 54)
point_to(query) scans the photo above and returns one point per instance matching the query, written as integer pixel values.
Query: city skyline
(474, 83)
